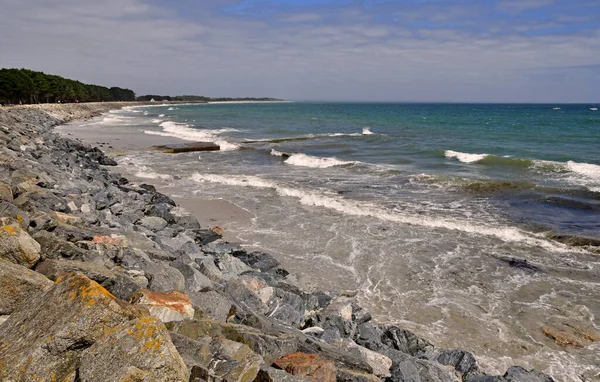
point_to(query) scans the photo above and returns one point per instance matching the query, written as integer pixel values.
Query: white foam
(152, 175)
(367, 131)
(183, 131)
(355, 208)
(157, 120)
(171, 108)
(276, 153)
(304, 160)
(161, 115)
(591, 171)
(465, 157)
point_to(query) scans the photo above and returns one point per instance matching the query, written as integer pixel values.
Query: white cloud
(152, 50)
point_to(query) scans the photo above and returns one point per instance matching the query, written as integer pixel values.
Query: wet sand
(121, 140)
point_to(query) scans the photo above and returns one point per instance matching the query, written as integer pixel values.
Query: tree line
(27, 86)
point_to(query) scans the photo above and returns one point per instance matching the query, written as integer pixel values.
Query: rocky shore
(105, 280)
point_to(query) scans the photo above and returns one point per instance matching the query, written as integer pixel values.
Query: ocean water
(418, 207)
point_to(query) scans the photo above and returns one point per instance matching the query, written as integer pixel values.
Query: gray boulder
(18, 247)
(18, 285)
(153, 223)
(213, 304)
(209, 358)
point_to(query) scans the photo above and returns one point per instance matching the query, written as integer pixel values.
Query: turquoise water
(417, 207)
(550, 154)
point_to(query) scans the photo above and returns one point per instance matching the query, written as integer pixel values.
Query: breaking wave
(355, 208)
(185, 132)
(303, 160)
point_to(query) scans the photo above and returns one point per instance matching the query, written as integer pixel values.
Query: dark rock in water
(462, 361)
(188, 147)
(577, 241)
(519, 263)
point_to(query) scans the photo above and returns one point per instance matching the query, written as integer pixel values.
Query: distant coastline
(24, 86)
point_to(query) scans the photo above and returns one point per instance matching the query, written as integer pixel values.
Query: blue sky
(423, 50)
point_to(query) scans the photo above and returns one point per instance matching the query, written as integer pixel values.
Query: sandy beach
(121, 140)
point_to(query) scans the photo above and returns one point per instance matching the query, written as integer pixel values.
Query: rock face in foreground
(229, 314)
(79, 327)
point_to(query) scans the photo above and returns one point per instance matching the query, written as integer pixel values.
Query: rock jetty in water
(105, 280)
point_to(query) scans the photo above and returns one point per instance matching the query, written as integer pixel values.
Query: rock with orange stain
(66, 218)
(18, 285)
(47, 337)
(17, 246)
(218, 230)
(136, 350)
(167, 307)
(569, 332)
(308, 365)
(117, 240)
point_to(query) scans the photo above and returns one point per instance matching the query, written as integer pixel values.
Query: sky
(386, 50)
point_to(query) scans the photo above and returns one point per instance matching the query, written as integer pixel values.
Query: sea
(474, 225)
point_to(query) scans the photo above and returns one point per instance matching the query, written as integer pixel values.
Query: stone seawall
(105, 280)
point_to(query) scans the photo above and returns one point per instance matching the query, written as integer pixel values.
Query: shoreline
(265, 303)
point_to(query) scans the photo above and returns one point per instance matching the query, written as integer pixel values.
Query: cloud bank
(422, 50)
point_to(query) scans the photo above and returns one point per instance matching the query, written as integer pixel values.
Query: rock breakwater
(105, 280)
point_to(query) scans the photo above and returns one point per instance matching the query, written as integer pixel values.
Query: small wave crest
(465, 157)
(355, 208)
(589, 170)
(304, 160)
(185, 132)
(367, 131)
